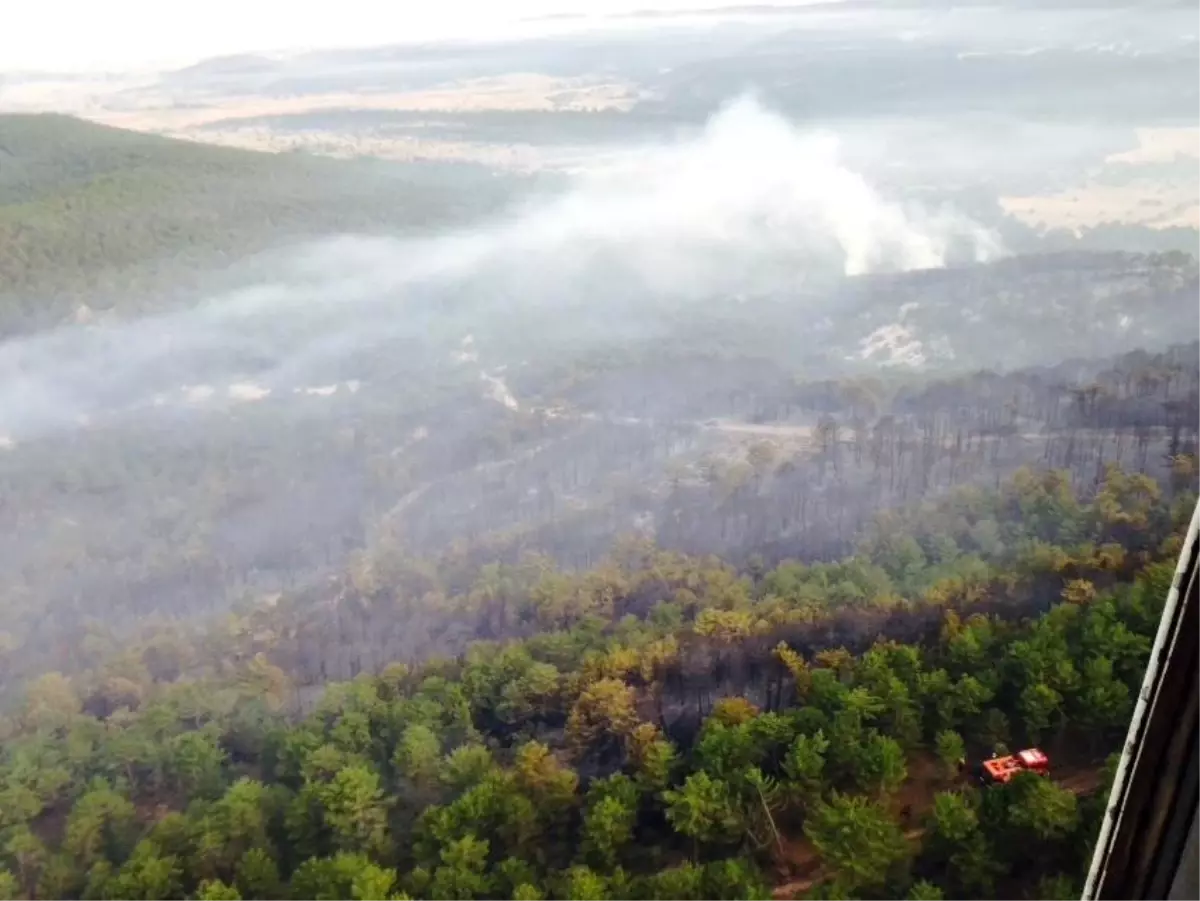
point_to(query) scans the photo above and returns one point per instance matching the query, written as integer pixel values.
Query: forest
(659, 726)
(110, 219)
(491, 586)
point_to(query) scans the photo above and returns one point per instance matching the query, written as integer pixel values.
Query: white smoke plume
(748, 204)
(752, 182)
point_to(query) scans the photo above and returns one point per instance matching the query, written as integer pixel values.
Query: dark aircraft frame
(1148, 844)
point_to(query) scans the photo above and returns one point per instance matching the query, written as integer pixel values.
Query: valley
(634, 457)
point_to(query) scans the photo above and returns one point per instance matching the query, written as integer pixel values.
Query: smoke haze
(751, 204)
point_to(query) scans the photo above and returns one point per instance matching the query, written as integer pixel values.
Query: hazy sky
(86, 34)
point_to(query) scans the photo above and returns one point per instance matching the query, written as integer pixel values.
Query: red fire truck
(999, 770)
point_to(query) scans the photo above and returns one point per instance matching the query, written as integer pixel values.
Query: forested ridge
(105, 218)
(668, 726)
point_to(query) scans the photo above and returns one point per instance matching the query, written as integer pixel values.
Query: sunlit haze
(76, 34)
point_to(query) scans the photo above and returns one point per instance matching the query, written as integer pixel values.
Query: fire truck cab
(1000, 770)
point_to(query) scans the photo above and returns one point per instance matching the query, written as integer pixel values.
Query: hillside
(189, 464)
(668, 727)
(98, 216)
(234, 499)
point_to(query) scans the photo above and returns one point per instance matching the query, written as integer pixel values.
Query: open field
(1131, 188)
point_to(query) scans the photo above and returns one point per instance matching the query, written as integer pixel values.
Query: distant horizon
(104, 43)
